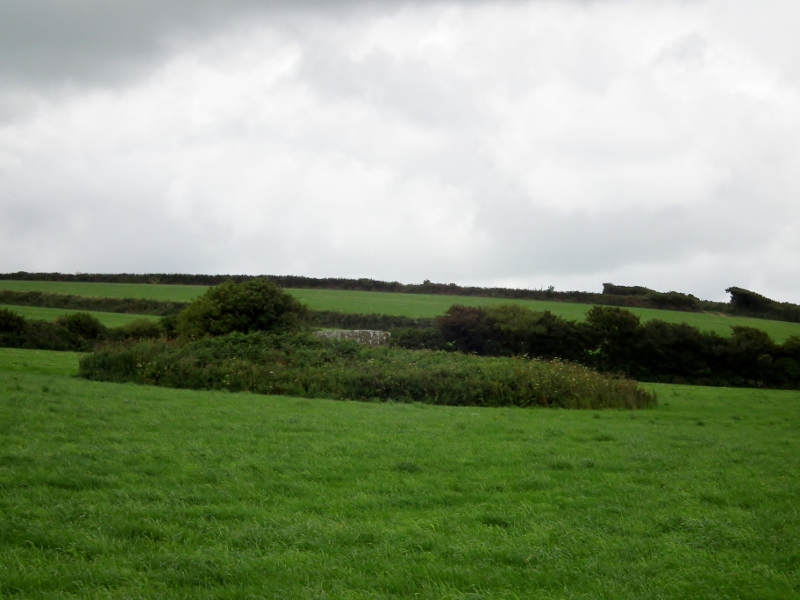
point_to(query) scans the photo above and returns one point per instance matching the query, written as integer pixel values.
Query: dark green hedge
(614, 340)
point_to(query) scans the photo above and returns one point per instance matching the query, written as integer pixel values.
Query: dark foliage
(469, 329)
(416, 338)
(11, 323)
(83, 325)
(745, 302)
(140, 329)
(78, 332)
(255, 305)
(18, 332)
(614, 340)
(626, 290)
(647, 298)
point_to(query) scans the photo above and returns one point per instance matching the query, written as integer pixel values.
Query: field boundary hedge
(131, 306)
(615, 340)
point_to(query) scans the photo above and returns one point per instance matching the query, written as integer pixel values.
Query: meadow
(176, 293)
(412, 305)
(113, 490)
(108, 319)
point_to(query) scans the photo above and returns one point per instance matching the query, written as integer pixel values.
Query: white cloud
(533, 143)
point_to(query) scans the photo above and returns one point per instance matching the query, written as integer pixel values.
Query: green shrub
(138, 330)
(301, 365)
(11, 323)
(255, 305)
(83, 325)
(413, 338)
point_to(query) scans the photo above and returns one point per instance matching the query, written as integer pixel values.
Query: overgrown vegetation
(302, 365)
(77, 332)
(614, 340)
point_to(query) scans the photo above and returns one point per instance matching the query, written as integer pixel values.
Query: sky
(516, 143)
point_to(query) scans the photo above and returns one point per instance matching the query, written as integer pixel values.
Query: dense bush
(78, 332)
(302, 365)
(745, 302)
(139, 329)
(255, 305)
(614, 340)
(11, 323)
(18, 332)
(652, 299)
(412, 338)
(83, 325)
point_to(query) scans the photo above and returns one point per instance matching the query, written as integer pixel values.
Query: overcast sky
(519, 143)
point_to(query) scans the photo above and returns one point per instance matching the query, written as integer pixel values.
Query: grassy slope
(125, 491)
(50, 314)
(415, 305)
(175, 293)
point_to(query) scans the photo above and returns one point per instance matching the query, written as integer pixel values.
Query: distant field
(175, 293)
(413, 305)
(129, 491)
(50, 314)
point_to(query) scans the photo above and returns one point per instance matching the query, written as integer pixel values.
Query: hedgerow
(614, 340)
(301, 365)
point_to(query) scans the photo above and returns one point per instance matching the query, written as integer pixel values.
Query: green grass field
(412, 305)
(51, 314)
(419, 305)
(121, 491)
(174, 293)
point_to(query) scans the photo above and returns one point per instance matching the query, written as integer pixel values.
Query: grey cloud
(90, 40)
(80, 192)
(101, 41)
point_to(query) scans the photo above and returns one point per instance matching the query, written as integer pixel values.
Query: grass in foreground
(51, 314)
(130, 491)
(411, 305)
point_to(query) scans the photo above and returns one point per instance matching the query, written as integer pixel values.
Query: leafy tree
(11, 322)
(254, 305)
(83, 325)
(468, 328)
(614, 333)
